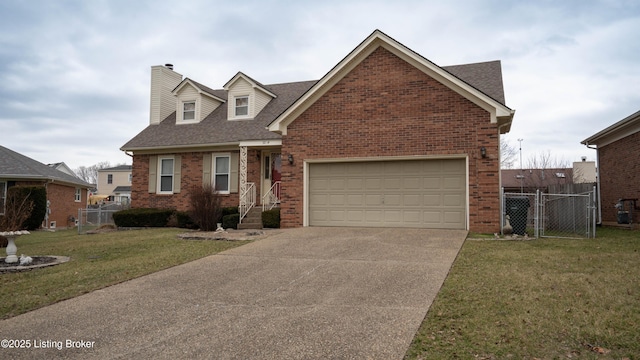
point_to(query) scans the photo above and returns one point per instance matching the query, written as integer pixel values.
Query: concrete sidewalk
(308, 293)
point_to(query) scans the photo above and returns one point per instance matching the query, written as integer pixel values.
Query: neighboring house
(531, 180)
(63, 167)
(115, 182)
(618, 147)
(65, 193)
(386, 138)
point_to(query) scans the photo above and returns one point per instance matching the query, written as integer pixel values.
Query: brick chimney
(163, 103)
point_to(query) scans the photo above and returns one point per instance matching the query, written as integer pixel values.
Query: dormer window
(188, 110)
(242, 106)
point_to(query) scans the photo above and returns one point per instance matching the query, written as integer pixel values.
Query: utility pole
(521, 172)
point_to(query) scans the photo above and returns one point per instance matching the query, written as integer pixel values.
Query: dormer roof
(255, 84)
(202, 90)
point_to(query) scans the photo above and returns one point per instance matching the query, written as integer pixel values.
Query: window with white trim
(188, 111)
(242, 106)
(78, 195)
(222, 173)
(165, 175)
(109, 178)
(3, 196)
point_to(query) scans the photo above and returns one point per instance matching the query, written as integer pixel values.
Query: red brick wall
(191, 169)
(63, 205)
(62, 202)
(619, 173)
(386, 107)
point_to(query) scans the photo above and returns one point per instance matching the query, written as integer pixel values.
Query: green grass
(544, 299)
(97, 261)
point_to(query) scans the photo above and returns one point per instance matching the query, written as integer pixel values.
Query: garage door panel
(393, 183)
(319, 199)
(337, 184)
(373, 184)
(355, 200)
(393, 200)
(412, 200)
(451, 182)
(432, 200)
(456, 200)
(373, 200)
(432, 183)
(407, 193)
(432, 217)
(319, 184)
(355, 184)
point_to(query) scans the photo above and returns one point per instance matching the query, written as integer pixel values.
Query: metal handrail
(247, 200)
(272, 197)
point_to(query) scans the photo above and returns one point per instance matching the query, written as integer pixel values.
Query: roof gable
(254, 84)
(500, 113)
(201, 89)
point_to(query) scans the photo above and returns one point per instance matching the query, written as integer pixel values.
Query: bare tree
(508, 154)
(544, 169)
(17, 211)
(90, 174)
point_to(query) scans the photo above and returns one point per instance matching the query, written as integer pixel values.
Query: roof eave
(622, 128)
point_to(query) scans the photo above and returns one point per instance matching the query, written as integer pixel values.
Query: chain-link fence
(549, 215)
(93, 217)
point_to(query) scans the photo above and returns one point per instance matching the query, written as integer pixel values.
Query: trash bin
(517, 208)
(623, 217)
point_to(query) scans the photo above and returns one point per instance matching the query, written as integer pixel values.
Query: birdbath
(11, 246)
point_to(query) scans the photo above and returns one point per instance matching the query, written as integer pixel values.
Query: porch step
(253, 220)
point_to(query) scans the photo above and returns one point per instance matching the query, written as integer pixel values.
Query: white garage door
(407, 193)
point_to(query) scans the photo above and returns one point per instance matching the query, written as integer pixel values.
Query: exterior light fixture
(290, 158)
(483, 152)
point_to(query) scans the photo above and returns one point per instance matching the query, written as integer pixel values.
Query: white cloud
(75, 74)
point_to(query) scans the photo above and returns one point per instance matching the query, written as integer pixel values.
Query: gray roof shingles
(14, 166)
(215, 129)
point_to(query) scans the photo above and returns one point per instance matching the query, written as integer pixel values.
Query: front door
(271, 172)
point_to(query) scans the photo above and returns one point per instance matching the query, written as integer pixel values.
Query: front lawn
(538, 299)
(97, 261)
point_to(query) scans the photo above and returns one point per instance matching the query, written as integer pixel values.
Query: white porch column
(243, 174)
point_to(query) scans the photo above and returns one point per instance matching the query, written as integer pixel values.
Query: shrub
(184, 220)
(271, 218)
(142, 217)
(38, 195)
(230, 221)
(230, 210)
(206, 210)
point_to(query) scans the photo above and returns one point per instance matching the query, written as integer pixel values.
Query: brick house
(618, 147)
(385, 138)
(65, 193)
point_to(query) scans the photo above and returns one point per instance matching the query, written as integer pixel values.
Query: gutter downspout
(500, 178)
(597, 181)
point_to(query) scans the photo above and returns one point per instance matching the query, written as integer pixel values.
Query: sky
(75, 75)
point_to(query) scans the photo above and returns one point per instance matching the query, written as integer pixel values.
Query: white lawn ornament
(25, 260)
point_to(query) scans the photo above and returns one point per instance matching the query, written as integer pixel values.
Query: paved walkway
(308, 293)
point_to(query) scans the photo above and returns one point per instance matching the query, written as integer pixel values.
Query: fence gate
(91, 219)
(550, 215)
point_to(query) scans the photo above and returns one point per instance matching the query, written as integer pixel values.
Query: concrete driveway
(308, 293)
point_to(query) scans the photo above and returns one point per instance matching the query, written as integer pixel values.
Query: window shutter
(177, 172)
(153, 168)
(234, 164)
(206, 169)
